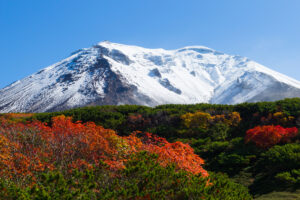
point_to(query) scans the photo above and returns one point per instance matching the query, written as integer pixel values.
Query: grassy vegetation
(236, 141)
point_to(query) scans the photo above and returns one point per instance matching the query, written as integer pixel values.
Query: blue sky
(37, 33)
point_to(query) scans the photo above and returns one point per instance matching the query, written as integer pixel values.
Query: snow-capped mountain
(110, 73)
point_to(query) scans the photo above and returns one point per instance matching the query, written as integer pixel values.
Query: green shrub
(142, 178)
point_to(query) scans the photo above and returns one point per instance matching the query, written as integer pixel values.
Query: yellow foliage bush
(204, 120)
(196, 120)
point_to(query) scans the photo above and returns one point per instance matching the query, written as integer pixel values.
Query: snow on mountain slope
(110, 73)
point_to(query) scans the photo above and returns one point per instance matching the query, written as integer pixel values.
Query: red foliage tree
(267, 136)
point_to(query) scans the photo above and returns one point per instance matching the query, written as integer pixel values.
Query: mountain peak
(112, 73)
(104, 42)
(195, 47)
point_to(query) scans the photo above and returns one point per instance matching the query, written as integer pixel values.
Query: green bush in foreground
(143, 178)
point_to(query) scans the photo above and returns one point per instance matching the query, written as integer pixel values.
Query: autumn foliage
(267, 136)
(178, 153)
(278, 118)
(28, 148)
(205, 120)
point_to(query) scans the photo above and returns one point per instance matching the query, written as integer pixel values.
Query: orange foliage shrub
(5, 154)
(178, 153)
(267, 136)
(28, 148)
(181, 154)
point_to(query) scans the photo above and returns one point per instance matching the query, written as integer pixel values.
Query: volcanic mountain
(113, 74)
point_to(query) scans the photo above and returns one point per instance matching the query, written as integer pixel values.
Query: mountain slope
(110, 73)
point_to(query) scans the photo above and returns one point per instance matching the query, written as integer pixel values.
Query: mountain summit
(113, 74)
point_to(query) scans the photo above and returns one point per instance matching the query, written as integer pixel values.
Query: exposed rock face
(113, 74)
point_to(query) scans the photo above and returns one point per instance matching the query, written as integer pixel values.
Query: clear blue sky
(37, 33)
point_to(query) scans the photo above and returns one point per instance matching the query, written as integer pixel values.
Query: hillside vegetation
(200, 151)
